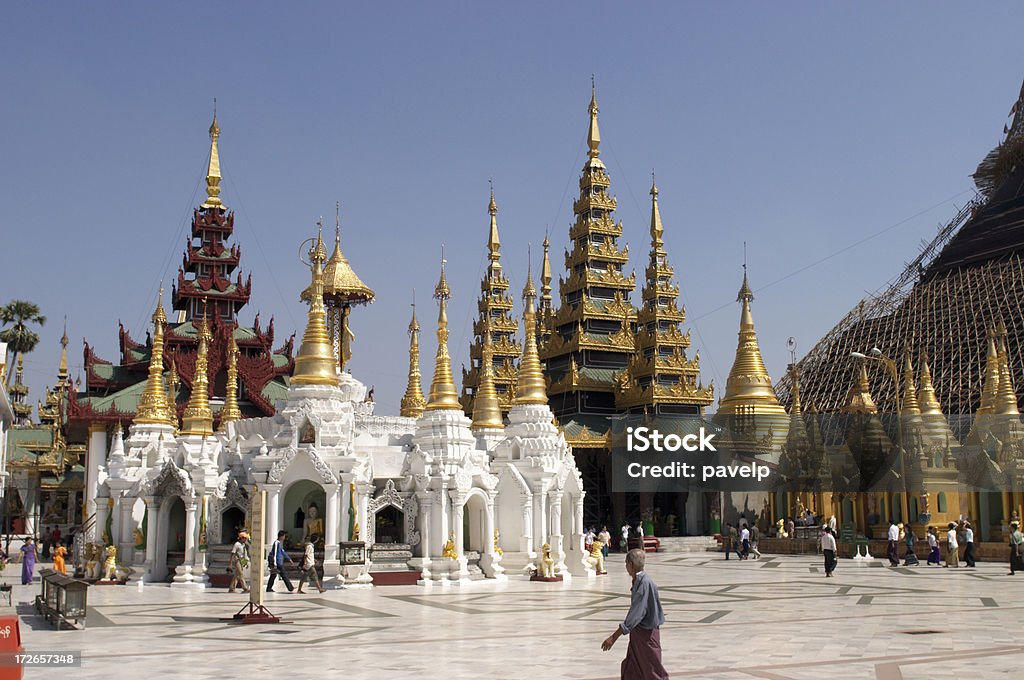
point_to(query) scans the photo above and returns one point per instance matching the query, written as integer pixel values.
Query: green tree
(16, 316)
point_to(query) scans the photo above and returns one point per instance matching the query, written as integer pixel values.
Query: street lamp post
(875, 354)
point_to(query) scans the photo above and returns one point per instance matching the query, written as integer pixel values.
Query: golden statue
(497, 548)
(314, 524)
(780, 528)
(58, 560)
(140, 540)
(449, 548)
(355, 531)
(93, 552)
(110, 564)
(547, 564)
(597, 557)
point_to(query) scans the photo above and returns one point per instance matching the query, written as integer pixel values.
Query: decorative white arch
(406, 502)
(277, 471)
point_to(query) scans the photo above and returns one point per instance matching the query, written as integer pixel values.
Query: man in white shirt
(828, 548)
(745, 543)
(894, 544)
(968, 544)
(952, 547)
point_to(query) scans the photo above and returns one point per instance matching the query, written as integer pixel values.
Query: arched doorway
(390, 525)
(474, 524)
(304, 507)
(231, 522)
(175, 552)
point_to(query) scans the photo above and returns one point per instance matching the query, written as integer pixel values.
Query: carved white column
(557, 547)
(331, 529)
(273, 512)
(199, 561)
(346, 502)
(126, 551)
(183, 572)
(95, 457)
(363, 492)
(541, 521)
(152, 516)
(102, 510)
(526, 540)
(458, 515)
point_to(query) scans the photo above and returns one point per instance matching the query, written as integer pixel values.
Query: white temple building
(431, 492)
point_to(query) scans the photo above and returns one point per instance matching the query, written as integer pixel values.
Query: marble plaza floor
(775, 618)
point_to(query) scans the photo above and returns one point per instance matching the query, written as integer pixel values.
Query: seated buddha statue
(313, 524)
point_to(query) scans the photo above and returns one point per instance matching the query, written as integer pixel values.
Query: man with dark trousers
(275, 560)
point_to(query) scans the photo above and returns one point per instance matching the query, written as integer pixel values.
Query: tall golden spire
(413, 401)
(911, 407)
(172, 391)
(315, 363)
(213, 171)
(493, 243)
(62, 367)
(991, 385)
(749, 387)
(153, 406)
(531, 388)
(443, 395)
(657, 230)
(198, 417)
(486, 410)
(593, 134)
(1006, 395)
(928, 402)
(231, 412)
(545, 277)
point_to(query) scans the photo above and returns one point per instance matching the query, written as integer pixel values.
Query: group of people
(637, 531)
(743, 542)
(277, 557)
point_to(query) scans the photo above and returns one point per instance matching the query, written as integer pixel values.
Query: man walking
(308, 566)
(744, 543)
(894, 544)
(828, 548)
(239, 562)
(1016, 549)
(275, 560)
(727, 537)
(625, 537)
(968, 544)
(755, 534)
(642, 623)
(952, 547)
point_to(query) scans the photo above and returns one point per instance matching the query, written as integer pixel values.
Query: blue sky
(800, 128)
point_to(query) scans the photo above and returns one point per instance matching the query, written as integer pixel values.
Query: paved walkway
(776, 618)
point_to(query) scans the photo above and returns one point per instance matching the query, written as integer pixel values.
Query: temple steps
(688, 544)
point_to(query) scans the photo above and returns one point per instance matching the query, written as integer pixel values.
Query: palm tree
(16, 315)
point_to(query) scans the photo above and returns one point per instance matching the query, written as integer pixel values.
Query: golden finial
(231, 412)
(413, 401)
(545, 269)
(153, 406)
(315, 363)
(1006, 395)
(926, 399)
(443, 395)
(62, 367)
(859, 399)
(531, 388)
(990, 389)
(493, 243)
(911, 407)
(172, 391)
(198, 417)
(486, 409)
(213, 170)
(657, 230)
(593, 134)
(749, 387)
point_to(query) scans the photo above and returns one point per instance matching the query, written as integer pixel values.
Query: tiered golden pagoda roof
(316, 364)
(154, 408)
(660, 372)
(495, 321)
(198, 417)
(531, 388)
(443, 395)
(213, 170)
(748, 389)
(595, 312)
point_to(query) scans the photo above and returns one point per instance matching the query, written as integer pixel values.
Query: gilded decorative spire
(926, 398)
(545, 277)
(315, 363)
(172, 391)
(486, 410)
(198, 417)
(493, 243)
(231, 412)
(1006, 395)
(153, 406)
(911, 407)
(443, 395)
(413, 401)
(990, 388)
(531, 388)
(657, 230)
(859, 399)
(213, 171)
(749, 387)
(593, 134)
(62, 367)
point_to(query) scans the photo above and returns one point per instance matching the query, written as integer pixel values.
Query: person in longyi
(642, 624)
